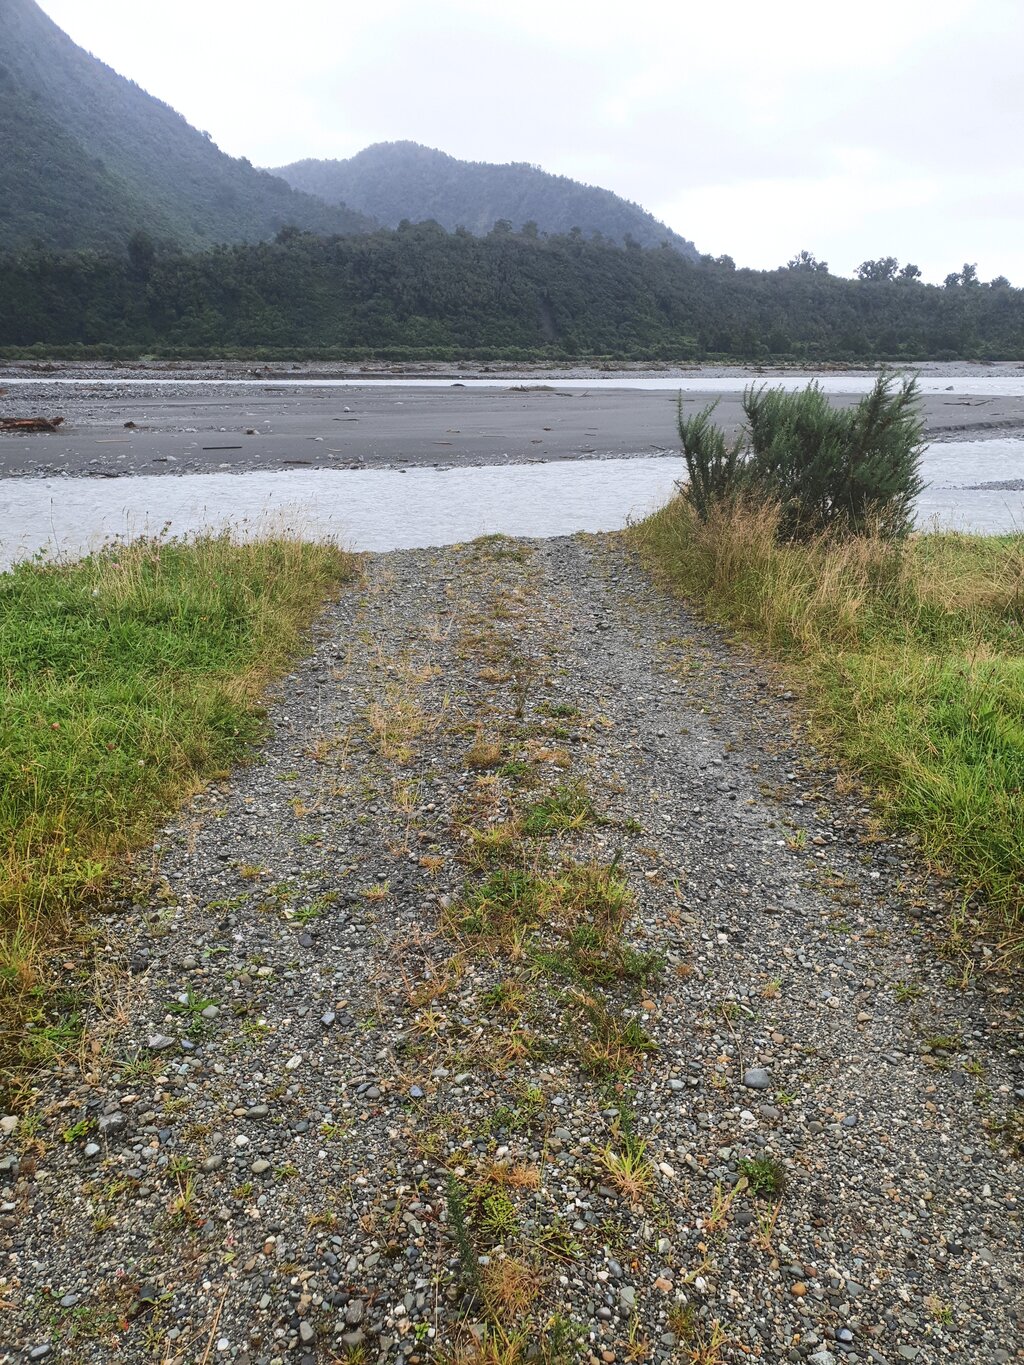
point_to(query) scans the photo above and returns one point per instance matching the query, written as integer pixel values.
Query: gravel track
(319, 1115)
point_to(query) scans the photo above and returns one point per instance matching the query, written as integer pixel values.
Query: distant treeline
(420, 291)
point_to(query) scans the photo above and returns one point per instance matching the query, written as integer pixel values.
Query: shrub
(828, 468)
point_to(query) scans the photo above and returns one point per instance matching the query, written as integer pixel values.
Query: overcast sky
(754, 127)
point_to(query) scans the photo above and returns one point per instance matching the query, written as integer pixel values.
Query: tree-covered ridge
(87, 158)
(422, 291)
(395, 181)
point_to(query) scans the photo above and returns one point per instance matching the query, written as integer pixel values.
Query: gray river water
(390, 509)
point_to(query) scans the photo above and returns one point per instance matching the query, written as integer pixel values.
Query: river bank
(200, 419)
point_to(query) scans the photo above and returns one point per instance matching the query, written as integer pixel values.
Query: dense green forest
(420, 291)
(392, 181)
(87, 158)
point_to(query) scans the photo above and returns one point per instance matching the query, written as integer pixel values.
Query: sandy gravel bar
(342, 1097)
(115, 428)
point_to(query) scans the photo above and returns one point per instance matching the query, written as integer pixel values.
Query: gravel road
(362, 1082)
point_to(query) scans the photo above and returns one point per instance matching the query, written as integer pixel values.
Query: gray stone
(157, 1042)
(756, 1078)
(307, 1332)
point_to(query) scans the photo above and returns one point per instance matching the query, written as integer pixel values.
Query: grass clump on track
(130, 678)
(913, 655)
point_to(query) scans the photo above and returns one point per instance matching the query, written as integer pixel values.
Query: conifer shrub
(848, 470)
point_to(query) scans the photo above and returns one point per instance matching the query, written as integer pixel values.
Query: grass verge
(913, 659)
(130, 678)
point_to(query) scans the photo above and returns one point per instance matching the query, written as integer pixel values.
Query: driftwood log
(30, 423)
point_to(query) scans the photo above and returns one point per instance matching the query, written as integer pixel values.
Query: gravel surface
(115, 429)
(336, 1101)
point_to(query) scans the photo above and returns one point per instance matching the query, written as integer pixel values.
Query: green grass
(568, 807)
(130, 679)
(912, 657)
(587, 903)
(766, 1177)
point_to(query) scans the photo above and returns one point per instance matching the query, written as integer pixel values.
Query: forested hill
(392, 181)
(87, 158)
(423, 292)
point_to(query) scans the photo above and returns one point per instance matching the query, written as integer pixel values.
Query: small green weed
(766, 1177)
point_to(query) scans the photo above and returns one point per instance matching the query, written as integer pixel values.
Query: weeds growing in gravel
(766, 1177)
(615, 1042)
(131, 678)
(628, 1169)
(913, 659)
(458, 1222)
(568, 807)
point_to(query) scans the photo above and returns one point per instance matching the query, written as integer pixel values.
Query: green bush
(828, 468)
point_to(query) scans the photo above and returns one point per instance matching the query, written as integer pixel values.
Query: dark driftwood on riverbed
(30, 423)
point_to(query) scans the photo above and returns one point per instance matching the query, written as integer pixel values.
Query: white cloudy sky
(755, 127)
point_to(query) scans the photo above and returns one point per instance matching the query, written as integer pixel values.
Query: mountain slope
(87, 157)
(395, 180)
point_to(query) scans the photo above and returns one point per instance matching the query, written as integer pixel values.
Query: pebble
(756, 1078)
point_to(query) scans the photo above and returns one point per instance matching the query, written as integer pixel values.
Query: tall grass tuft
(130, 678)
(913, 657)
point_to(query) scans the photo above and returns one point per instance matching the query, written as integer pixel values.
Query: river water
(390, 509)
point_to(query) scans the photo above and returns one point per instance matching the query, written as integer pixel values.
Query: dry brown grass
(545, 753)
(510, 1288)
(395, 724)
(516, 1175)
(484, 753)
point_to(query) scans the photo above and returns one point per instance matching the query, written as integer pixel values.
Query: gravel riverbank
(537, 981)
(129, 424)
